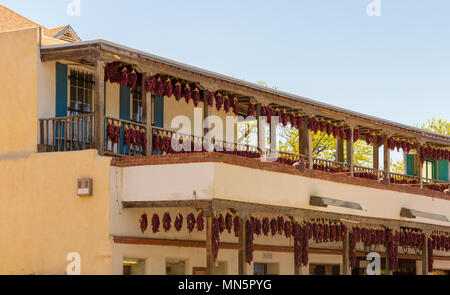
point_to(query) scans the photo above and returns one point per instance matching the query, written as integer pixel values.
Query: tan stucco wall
(18, 92)
(43, 219)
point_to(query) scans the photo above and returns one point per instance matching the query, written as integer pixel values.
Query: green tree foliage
(441, 126)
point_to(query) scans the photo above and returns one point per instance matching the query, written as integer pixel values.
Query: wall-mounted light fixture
(411, 213)
(325, 202)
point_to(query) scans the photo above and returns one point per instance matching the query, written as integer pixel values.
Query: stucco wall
(43, 219)
(18, 92)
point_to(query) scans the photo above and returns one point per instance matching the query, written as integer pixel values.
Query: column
(273, 134)
(242, 264)
(261, 125)
(339, 150)
(419, 166)
(148, 113)
(210, 265)
(350, 151)
(425, 257)
(305, 138)
(99, 105)
(386, 160)
(376, 159)
(346, 269)
(206, 111)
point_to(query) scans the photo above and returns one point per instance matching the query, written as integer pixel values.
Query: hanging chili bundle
(226, 104)
(200, 221)
(299, 122)
(111, 70)
(305, 246)
(166, 221)
(150, 84)
(229, 222)
(187, 93)
(257, 225)
(159, 86)
(219, 101)
(280, 223)
(190, 222)
(177, 91)
(178, 223)
(196, 96)
(287, 229)
(210, 99)
(215, 236)
(369, 138)
(143, 221)
(221, 223)
(155, 223)
(235, 105)
(355, 134)
(284, 118)
(251, 109)
(168, 90)
(124, 77)
(298, 242)
(132, 79)
(430, 255)
(335, 131)
(236, 225)
(265, 226)
(273, 226)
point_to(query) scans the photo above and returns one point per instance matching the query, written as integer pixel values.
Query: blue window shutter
(124, 109)
(159, 111)
(442, 170)
(410, 164)
(61, 90)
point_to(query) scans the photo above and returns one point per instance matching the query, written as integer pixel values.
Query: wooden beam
(99, 105)
(306, 142)
(419, 167)
(223, 205)
(242, 264)
(210, 264)
(273, 134)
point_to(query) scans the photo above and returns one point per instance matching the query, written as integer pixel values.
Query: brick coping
(205, 157)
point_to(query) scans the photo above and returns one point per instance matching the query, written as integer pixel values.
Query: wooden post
(419, 166)
(386, 160)
(339, 150)
(350, 152)
(346, 269)
(376, 156)
(425, 257)
(261, 125)
(148, 113)
(306, 142)
(242, 264)
(210, 265)
(273, 134)
(388, 271)
(99, 105)
(206, 111)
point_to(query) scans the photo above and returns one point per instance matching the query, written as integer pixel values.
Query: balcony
(123, 138)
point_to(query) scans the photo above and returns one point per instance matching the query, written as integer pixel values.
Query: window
(428, 169)
(137, 106)
(132, 266)
(175, 267)
(81, 92)
(263, 269)
(324, 269)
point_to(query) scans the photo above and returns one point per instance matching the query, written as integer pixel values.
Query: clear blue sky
(395, 66)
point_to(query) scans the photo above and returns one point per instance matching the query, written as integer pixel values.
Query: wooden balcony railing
(67, 133)
(124, 138)
(127, 138)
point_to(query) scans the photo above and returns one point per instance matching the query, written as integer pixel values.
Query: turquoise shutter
(442, 170)
(61, 90)
(410, 163)
(159, 111)
(124, 111)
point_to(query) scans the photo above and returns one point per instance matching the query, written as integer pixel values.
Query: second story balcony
(143, 105)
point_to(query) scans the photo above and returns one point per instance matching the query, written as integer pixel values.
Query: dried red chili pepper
(190, 222)
(143, 222)
(155, 223)
(236, 225)
(166, 221)
(229, 222)
(200, 221)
